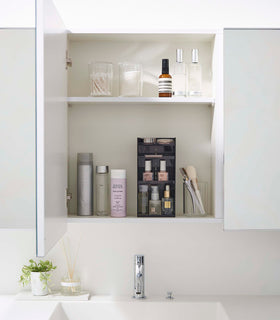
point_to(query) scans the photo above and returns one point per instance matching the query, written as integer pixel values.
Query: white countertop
(236, 307)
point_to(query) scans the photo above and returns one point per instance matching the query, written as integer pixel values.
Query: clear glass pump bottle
(179, 77)
(194, 73)
(102, 190)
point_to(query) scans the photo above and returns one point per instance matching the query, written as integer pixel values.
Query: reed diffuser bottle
(70, 283)
(165, 81)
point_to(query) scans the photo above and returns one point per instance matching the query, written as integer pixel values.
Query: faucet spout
(139, 278)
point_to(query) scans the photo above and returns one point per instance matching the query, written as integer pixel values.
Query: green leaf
(43, 266)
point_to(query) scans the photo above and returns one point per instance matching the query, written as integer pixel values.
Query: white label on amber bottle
(165, 85)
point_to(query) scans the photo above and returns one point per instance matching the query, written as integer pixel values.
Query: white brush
(191, 172)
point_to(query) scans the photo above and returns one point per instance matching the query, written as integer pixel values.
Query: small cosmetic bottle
(154, 203)
(194, 75)
(143, 200)
(179, 77)
(148, 174)
(162, 174)
(102, 190)
(118, 193)
(167, 202)
(165, 81)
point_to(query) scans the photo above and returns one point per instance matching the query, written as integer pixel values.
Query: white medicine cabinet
(70, 121)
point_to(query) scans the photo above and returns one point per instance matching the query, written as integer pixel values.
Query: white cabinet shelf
(141, 100)
(130, 219)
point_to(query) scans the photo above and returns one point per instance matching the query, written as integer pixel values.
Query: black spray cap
(165, 66)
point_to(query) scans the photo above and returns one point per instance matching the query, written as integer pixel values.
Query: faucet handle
(169, 295)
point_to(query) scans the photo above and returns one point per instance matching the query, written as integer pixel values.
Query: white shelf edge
(129, 219)
(141, 100)
(145, 31)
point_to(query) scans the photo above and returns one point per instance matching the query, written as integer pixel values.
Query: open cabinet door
(252, 129)
(51, 126)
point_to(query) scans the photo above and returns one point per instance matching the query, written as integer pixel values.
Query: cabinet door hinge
(68, 61)
(68, 197)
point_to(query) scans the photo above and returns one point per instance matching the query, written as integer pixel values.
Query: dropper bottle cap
(165, 66)
(167, 191)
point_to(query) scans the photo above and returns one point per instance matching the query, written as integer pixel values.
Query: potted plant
(38, 274)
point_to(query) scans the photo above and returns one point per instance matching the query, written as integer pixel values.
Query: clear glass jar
(130, 82)
(100, 78)
(70, 286)
(102, 190)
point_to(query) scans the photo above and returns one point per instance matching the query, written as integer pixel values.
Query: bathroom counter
(233, 307)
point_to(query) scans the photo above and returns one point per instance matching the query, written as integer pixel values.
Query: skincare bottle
(194, 75)
(143, 200)
(118, 193)
(154, 203)
(179, 77)
(162, 174)
(102, 190)
(148, 174)
(165, 81)
(167, 202)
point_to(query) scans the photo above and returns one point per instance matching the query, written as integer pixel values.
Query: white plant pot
(37, 286)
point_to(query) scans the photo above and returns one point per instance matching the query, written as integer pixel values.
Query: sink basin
(140, 310)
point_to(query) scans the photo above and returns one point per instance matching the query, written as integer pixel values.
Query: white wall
(184, 258)
(187, 258)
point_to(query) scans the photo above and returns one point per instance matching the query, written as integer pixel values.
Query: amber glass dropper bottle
(165, 81)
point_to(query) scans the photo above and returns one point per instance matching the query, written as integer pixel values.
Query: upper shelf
(191, 36)
(141, 100)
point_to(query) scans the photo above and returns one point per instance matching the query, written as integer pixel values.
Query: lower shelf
(130, 219)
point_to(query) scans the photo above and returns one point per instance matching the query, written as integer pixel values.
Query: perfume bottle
(165, 81)
(162, 174)
(179, 77)
(154, 203)
(148, 174)
(194, 75)
(167, 202)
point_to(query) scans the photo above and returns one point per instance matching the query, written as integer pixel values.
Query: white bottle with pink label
(118, 193)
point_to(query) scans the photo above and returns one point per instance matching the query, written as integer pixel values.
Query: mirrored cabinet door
(17, 128)
(252, 129)
(51, 126)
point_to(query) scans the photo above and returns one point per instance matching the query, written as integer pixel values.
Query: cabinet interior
(110, 130)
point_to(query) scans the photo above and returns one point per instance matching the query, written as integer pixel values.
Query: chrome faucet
(139, 277)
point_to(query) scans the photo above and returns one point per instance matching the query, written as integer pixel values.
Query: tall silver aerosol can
(84, 184)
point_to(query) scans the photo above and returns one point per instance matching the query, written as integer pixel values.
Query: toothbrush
(191, 173)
